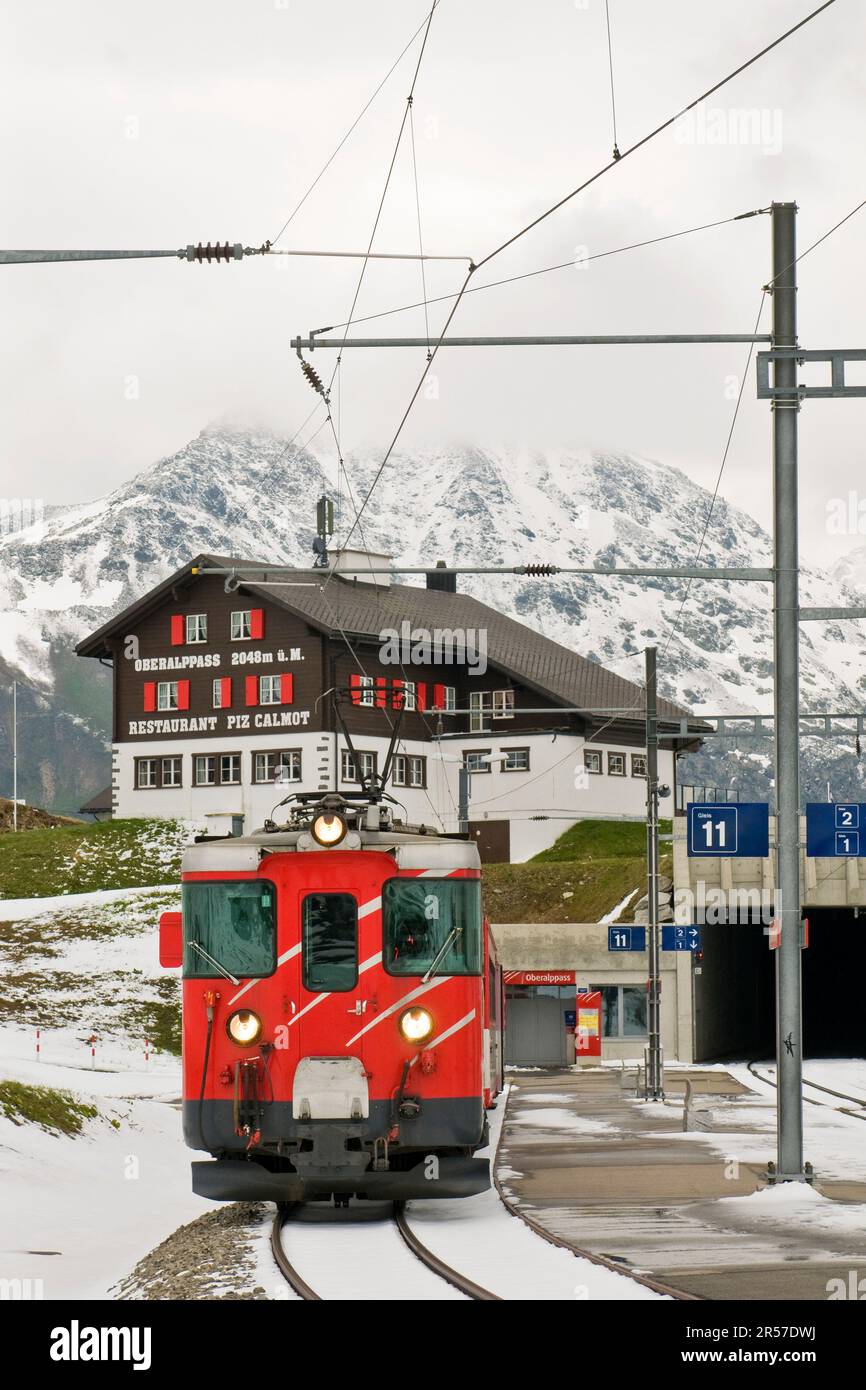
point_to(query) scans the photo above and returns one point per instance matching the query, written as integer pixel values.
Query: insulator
(227, 252)
(538, 571)
(312, 376)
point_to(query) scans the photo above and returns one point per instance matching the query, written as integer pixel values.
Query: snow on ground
(616, 912)
(22, 909)
(481, 1238)
(100, 1200)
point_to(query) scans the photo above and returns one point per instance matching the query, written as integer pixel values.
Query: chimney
(447, 583)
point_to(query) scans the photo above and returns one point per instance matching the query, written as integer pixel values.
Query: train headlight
(244, 1027)
(328, 829)
(416, 1025)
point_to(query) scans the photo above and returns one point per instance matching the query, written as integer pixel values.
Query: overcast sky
(129, 125)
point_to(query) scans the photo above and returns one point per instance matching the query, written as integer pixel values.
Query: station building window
(158, 772)
(477, 759)
(348, 771)
(638, 764)
(623, 1011)
(281, 766)
(592, 760)
(515, 760)
(196, 627)
(503, 704)
(616, 764)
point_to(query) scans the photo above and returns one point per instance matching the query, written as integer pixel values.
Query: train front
(333, 1009)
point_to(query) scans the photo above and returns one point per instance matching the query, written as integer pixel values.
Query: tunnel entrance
(834, 967)
(735, 989)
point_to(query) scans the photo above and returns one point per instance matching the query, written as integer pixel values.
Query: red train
(342, 1008)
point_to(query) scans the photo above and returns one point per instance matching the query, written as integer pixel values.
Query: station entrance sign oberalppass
(730, 830)
(836, 830)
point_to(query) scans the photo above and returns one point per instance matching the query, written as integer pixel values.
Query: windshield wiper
(197, 946)
(442, 952)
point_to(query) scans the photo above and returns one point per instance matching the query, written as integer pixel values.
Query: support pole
(14, 755)
(785, 408)
(655, 1070)
(463, 776)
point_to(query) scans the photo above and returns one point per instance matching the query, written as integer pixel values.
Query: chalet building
(224, 705)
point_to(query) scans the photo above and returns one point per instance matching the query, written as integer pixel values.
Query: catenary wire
(356, 121)
(543, 270)
(516, 236)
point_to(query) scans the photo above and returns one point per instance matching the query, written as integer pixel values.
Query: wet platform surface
(613, 1174)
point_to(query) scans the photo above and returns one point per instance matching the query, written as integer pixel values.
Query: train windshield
(232, 925)
(432, 925)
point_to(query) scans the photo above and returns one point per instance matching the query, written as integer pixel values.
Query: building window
(196, 627)
(399, 773)
(515, 760)
(145, 772)
(347, 766)
(166, 695)
(592, 760)
(503, 704)
(450, 699)
(230, 769)
(623, 1010)
(365, 691)
(270, 690)
(616, 764)
(171, 772)
(281, 766)
(638, 764)
(477, 760)
(204, 770)
(417, 772)
(222, 692)
(242, 626)
(479, 705)
(408, 694)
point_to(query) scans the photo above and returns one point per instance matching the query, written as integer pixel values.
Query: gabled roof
(338, 606)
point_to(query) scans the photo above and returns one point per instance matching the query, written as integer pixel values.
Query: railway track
(460, 1282)
(858, 1114)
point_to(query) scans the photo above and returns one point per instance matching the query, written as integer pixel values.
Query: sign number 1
(719, 828)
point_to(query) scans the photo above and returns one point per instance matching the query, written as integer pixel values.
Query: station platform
(612, 1174)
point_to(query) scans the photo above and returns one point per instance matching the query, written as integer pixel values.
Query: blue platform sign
(836, 829)
(729, 830)
(626, 938)
(681, 938)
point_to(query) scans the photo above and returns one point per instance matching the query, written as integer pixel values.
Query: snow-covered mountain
(247, 493)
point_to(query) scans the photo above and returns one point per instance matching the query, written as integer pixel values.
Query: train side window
(329, 936)
(434, 923)
(230, 924)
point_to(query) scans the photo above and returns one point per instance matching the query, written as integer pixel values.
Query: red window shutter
(421, 695)
(252, 689)
(287, 683)
(397, 695)
(183, 694)
(257, 623)
(381, 692)
(438, 697)
(226, 692)
(355, 688)
(149, 695)
(177, 630)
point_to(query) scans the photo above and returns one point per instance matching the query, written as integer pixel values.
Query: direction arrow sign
(686, 938)
(728, 831)
(836, 830)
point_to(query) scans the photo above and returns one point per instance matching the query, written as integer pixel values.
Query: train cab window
(432, 924)
(229, 926)
(329, 935)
